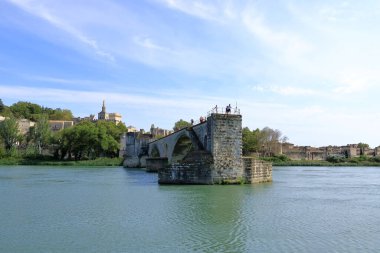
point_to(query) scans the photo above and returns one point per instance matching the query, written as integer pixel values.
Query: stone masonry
(225, 133)
(257, 171)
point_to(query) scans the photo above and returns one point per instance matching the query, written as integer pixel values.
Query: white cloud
(288, 43)
(43, 12)
(289, 91)
(148, 44)
(195, 8)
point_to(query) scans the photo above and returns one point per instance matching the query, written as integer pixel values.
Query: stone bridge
(206, 153)
(177, 145)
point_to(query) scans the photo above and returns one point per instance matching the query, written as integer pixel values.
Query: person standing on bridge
(228, 109)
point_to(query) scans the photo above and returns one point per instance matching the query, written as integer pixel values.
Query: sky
(308, 68)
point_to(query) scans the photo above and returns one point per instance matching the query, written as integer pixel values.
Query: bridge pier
(155, 164)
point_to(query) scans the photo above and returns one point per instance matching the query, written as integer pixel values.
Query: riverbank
(326, 163)
(52, 162)
(119, 162)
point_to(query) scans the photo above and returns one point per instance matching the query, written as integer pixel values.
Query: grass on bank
(362, 161)
(52, 162)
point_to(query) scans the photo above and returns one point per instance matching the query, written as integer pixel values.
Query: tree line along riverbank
(10, 161)
(361, 161)
(49, 161)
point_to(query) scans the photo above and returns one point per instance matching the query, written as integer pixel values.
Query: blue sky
(308, 68)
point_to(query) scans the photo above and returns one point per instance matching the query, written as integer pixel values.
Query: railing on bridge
(224, 110)
(216, 109)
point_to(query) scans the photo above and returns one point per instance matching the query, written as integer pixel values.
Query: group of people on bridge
(203, 119)
(228, 109)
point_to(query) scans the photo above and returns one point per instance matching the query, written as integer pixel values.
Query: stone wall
(256, 171)
(156, 164)
(196, 168)
(322, 153)
(134, 148)
(201, 132)
(225, 142)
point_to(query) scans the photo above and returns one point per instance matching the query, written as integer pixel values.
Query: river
(304, 209)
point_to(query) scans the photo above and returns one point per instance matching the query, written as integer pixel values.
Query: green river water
(304, 209)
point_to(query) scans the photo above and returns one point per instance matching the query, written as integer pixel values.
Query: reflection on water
(305, 209)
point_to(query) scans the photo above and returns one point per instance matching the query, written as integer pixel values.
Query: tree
(266, 141)
(362, 147)
(59, 114)
(1, 106)
(9, 133)
(251, 141)
(89, 140)
(26, 110)
(41, 133)
(270, 140)
(181, 124)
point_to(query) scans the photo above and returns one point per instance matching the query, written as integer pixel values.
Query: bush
(3, 153)
(375, 159)
(276, 158)
(336, 159)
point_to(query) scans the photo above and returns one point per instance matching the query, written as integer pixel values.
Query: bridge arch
(178, 142)
(155, 152)
(182, 147)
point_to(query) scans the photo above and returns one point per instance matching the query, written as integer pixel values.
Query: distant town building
(159, 132)
(103, 115)
(114, 117)
(89, 118)
(134, 146)
(322, 153)
(131, 129)
(58, 125)
(24, 125)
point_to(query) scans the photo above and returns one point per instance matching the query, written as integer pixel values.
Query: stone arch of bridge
(155, 152)
(183, 145)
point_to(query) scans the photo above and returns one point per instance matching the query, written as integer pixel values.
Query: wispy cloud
(199, 9)
(43, 12)
(287, 90)
(285, 42)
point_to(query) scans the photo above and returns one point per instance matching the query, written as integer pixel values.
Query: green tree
(9, 133)
(41, 133)
(251, 141)
(108, 138)
(181, 124)
(59, 114)
(362, 147)
(84, 140)
(88, 140)
(1, 106)
(26, 110)
(271, 139)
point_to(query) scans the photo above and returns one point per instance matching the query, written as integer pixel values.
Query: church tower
(103, 115)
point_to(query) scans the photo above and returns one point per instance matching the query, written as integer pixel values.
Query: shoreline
(325, 164)
(110, 162)
(11, 161)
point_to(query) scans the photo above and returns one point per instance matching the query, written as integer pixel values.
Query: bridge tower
(225, 146)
